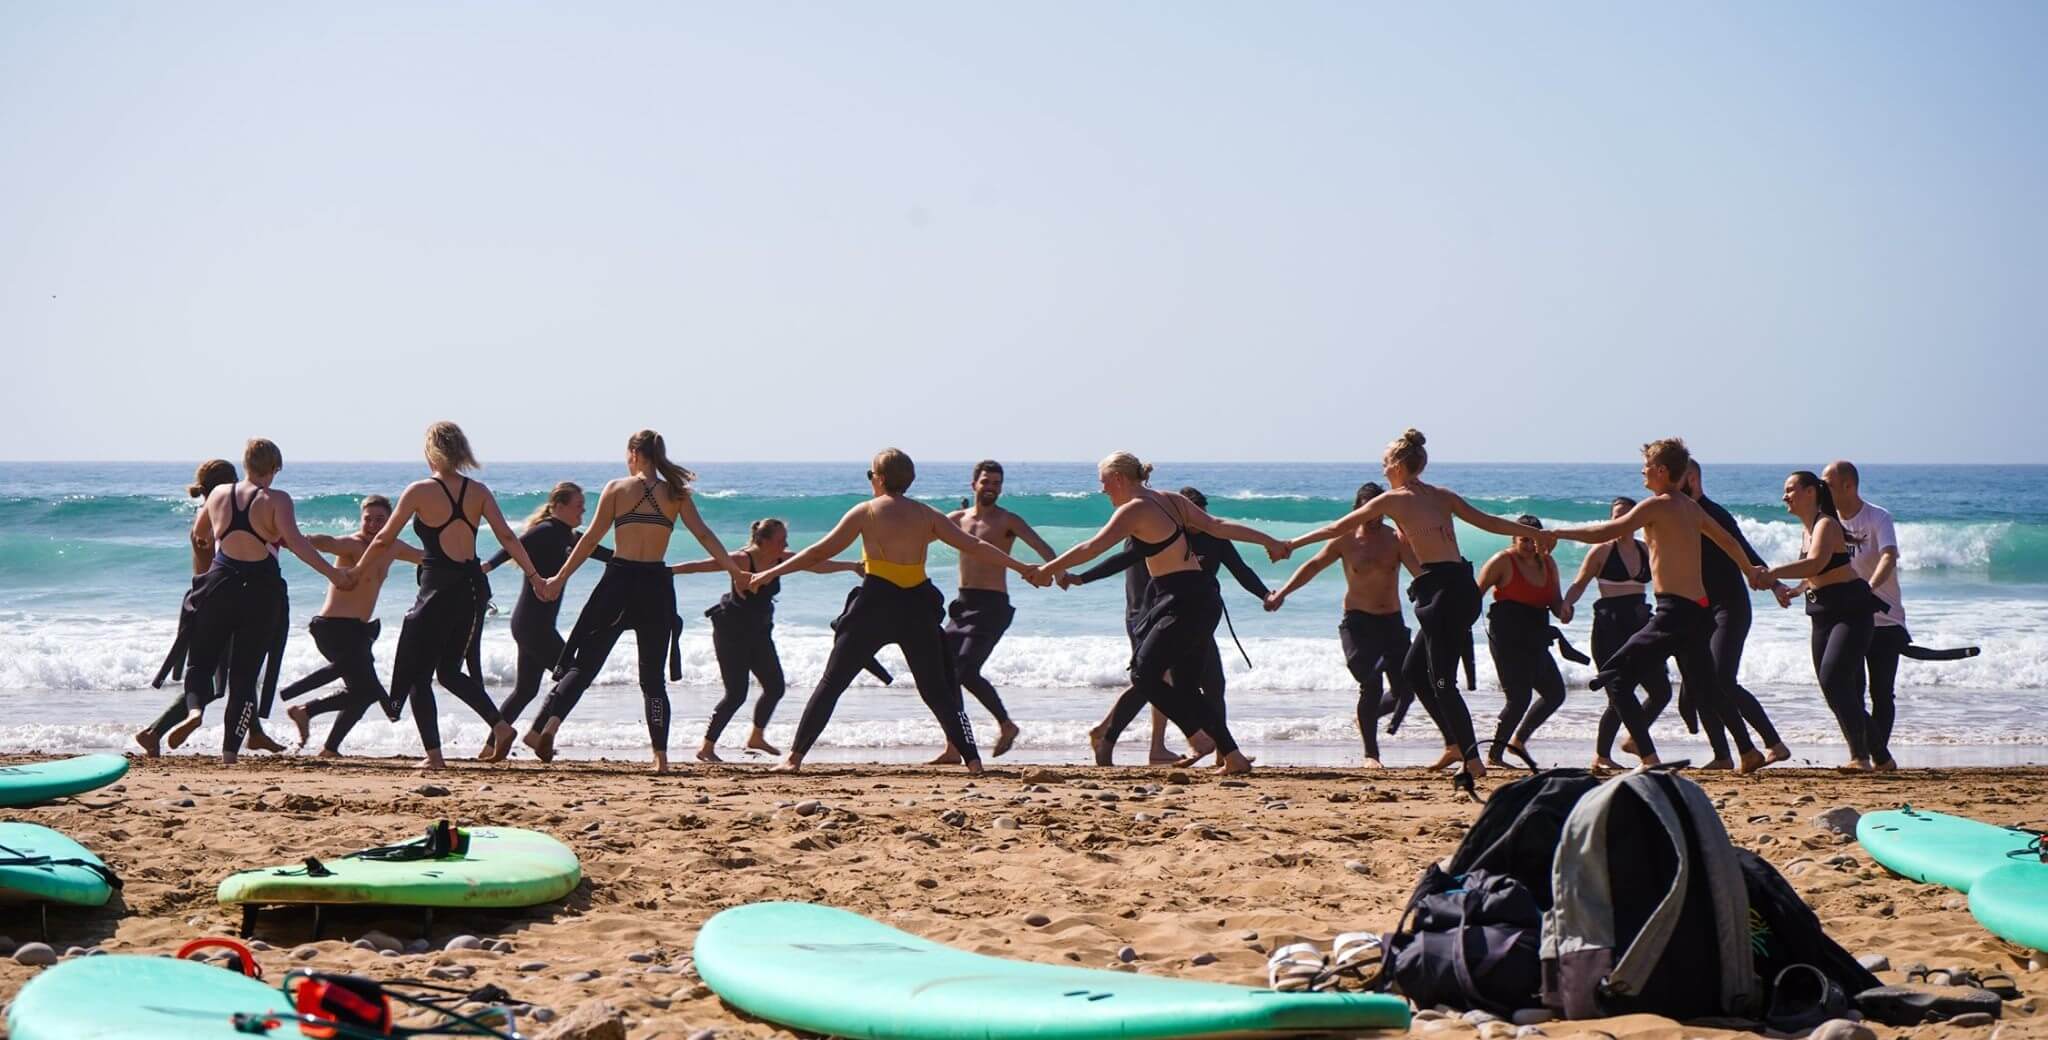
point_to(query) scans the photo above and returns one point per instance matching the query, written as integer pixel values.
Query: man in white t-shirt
(1874, 553)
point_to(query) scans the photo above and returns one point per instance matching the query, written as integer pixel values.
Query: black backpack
(1784, 931)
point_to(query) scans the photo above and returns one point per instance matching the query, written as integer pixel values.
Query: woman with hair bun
(446, 509)
(636, 591)
(1445, 594)
(743, 634)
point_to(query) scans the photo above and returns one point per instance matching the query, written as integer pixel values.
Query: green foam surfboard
(39, 865)
(118, 997)
(42, 781)
(1938, 848)
(504, 867)
(823, 970)
(2012, 901)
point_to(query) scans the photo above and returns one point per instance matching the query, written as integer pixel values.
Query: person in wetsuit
(636, 591)
(980, 612)
(211, 474)
(1526, 592)
(743, 635)
(1729, 608)
(1874, 552)
(896, 604)
(1682, 626)
(1176, 632)
(1840, 605)
(1216, 555)
(1445, 595)
(551, 532)
(440, 627)
(345, 634)
(235, 605)
(1622, 567)
(1372, 632)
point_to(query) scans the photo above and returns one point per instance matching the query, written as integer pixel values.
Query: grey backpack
(1649, 911)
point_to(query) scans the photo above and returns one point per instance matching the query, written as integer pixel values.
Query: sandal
(1350, 954)
(1802, 996)
(1914, 1005)
(1295, 968)
(1998, 983)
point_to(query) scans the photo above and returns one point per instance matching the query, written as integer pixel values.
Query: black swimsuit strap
(454, 505)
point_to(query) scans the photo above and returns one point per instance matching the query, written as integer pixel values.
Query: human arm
(495, 517)
(1199, 519)
(1113, 564)
(1825, 542)
(586, 544)
(1345, 524)
(945, 530)
(1494, 572)
(837, 567)
(835, 542)
(1885, 539)
(1119, 526)
(1492, 524)
(1247, 578)
(1304, 574)
(1030, 537)
(1558, 607)
(1604, 531)
(686, 511)
(1408, 557)
(704, 566)
(1589, 568)
(286, 521)
(202, 540)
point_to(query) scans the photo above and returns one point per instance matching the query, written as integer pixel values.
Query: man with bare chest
(344, 632)
(1374, 636)
(980, 613)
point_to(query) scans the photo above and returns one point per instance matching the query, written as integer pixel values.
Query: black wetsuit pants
(746, 648)
(345, 643)
(539, 648)
(1176, 638)
(632, 594)
(1842, 617)
(1446, 604)
(434, 645)
(1518, 638)
(1729, 704)
(234, 619)
(1374, 647)
(975, 623)
(1887, 644)
(883, 613)
(1681, 629)
(1615, 619)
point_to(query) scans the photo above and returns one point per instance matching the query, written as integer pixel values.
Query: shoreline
(1173, 863)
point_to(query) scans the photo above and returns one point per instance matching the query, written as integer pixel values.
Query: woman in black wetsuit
(636, 591)
(438, 629)
(743, 634)
(1175, 635)
(1841, 606)
(1622, 567)
(234, 607)
(1524, 581)
(549, 536)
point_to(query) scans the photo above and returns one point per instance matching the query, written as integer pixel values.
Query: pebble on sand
(1842, 1029)
(1037, 920)
(1203, 958)
(35, 954)
(464, 942)
(597, 1020)
(431, 791)
(1127, 954)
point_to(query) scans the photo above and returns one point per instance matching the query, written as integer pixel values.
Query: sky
(1226, 231)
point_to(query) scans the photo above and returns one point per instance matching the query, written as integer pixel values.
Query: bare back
(434, 504)
(239, 544)
(635, 496)
(1424, 514)
(896, 529)
(1155, 518)
(1372, 569)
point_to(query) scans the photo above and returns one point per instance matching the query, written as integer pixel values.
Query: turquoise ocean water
(93, 560)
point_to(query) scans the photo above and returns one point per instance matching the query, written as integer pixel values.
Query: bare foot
(1751, 762)
(1889, 765)
(1476, 768)
(148, 739)
(1235, 764)
(1718, 765)
(1628, 745)
(433, 763)
(483, 754)
(1372, 763)
(1446, 760)
(1191, 758)
(257, 740)
(1006, 738)
(1105, 752)
(1162, 755)
(328, 753)
(948, 757)
(1776, 753)
(756, 741)
(1650, 760)
(1854, 765)
(542, 741)
(183, 730)
(792, 764)
(301, 721)
(708, 753)
(660, 762)
(1601, 762)
(500, 744)
(1201, 744)
(974, 768)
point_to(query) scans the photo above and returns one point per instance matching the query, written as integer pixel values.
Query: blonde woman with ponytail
(551, 532)
(743, 635)
(446, 510)
(636, 591)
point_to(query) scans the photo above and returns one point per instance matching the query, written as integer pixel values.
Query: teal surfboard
(118, 997)
(2012, 902)
(39, 865)
(1938, 848)
(504, 867)
(42, 781)
(822, 970)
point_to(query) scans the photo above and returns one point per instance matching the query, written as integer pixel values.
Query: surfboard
(39, 865)
(504, 867)
(42, 781)
(1938, 848)
(2012, 902)
(125, 997)
(823, 970)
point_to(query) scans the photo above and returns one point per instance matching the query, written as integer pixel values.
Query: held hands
(1036, 575)
(548, 589)
(1278, 549)
(1274, 599)
(344, 578)
(1783, 593)
(745, 585)
(1759, 578)
(1066, 581)
(1565, 612)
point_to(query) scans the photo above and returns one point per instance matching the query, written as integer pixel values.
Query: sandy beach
(1176, 865)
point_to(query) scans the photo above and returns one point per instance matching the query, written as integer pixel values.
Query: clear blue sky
(1540, 232)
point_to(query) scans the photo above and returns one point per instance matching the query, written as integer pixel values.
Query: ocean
(93, 560)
